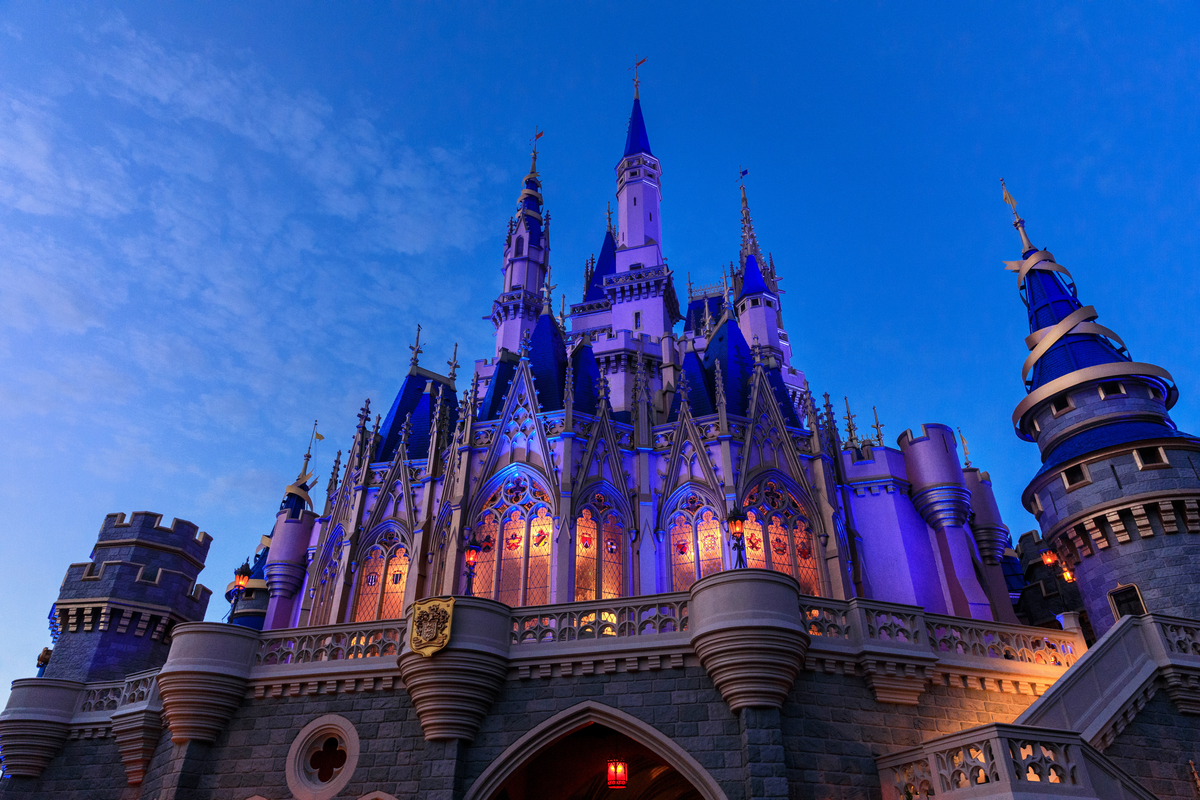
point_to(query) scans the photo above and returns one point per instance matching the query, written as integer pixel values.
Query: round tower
(1118, 494)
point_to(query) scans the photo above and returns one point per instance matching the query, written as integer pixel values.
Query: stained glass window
(512, 558)
(708, 532)
(683, 554)
(781, 550)
(541, 532)
(393, 584)
(369, 575)
(485, 566)
(790, 548)
(752, 536)
(518, 524)
(806, 563)
(586, 545)
(612, 555)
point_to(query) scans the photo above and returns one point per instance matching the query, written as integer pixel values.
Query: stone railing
(1006, 761)
(1120, 674)
(646, 616)
(332, 643)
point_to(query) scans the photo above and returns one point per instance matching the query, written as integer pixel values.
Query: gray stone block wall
(85, 769)
(1155, 749)
(821, 746)
(1163, 567)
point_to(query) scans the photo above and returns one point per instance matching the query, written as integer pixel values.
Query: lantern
(241, 576)
(1068, 576)
(471, 556)
(737, 523)
(1049, 558)
(618, 773)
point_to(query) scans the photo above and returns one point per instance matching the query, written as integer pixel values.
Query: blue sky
(220, 222)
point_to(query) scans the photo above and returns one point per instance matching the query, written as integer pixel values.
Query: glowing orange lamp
(1049, 558)
(1068, 576)
(471, 556)
(241, 576)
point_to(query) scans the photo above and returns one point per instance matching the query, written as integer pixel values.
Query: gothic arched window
(515, 523)
(325, 588)
(599, 551)
(519, 250)
(381, 580)
(696, 546)
(787, 546)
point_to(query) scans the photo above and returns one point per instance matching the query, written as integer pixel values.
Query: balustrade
(332, 643)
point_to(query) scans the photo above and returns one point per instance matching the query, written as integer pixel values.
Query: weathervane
(742, 175)
(636, 82)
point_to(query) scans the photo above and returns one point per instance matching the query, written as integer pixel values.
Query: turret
(116, 611)
(1117, 496)
(286, 558)
(526, 259)
(940, 496)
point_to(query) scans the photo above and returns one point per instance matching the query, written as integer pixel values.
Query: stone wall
(1155, 749)
(823, 746)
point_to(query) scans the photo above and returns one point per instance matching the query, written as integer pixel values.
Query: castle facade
(634, 555)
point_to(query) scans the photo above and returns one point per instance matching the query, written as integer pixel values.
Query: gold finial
(453, 363)
(1018, 223)
(416, 347)
(636, 82)
(878, 426)
(966, 449)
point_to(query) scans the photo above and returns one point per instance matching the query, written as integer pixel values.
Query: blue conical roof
(752, 279)
(605, 265)
(1050, 301)
(417, 396)
(637, 141)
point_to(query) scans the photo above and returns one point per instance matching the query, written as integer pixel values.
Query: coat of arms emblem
(431, 620)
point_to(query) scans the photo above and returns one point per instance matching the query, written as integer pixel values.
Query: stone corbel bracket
(137, 724)
(748, 635)
(205, 678)
(453, 689)
(35, 723)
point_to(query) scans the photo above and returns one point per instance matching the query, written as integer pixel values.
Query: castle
(635, 554)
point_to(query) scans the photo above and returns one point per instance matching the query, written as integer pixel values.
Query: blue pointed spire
(1050, 301)
(637, 141)
(605, 265)
(752, 278)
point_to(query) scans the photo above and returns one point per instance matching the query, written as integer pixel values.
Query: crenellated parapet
(116, 612)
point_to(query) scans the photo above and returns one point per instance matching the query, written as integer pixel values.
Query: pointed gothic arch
(514, 521)
(780, 530)
(576, 718)
(383, 559)
(603, 556)
(694, 523)
(327, 568)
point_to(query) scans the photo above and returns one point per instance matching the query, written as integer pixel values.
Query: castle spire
(1026, 247)
(749, 239)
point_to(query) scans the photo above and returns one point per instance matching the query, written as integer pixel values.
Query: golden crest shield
(431, 619)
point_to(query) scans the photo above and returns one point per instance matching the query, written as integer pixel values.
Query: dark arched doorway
(574, 767)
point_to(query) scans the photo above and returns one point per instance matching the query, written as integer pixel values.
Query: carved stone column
(453, 689)
(747, 631)
(205, 677)
(35, 723)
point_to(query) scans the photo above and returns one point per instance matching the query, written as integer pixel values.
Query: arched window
(789, 543)
(599, 551)
(515, 522)
(519, 250)
(696, 545)
(381, 579)
(325, 589)
(756, 556)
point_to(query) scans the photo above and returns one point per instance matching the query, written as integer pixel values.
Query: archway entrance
(574, 767)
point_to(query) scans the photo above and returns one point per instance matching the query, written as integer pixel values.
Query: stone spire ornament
(878, 426)
(851, 428)
(453, 363)
(415, 347)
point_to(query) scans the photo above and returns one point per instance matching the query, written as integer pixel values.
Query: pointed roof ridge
(637, 141)
(606, 265)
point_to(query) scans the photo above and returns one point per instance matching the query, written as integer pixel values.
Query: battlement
(146, 527)
(141, 562)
